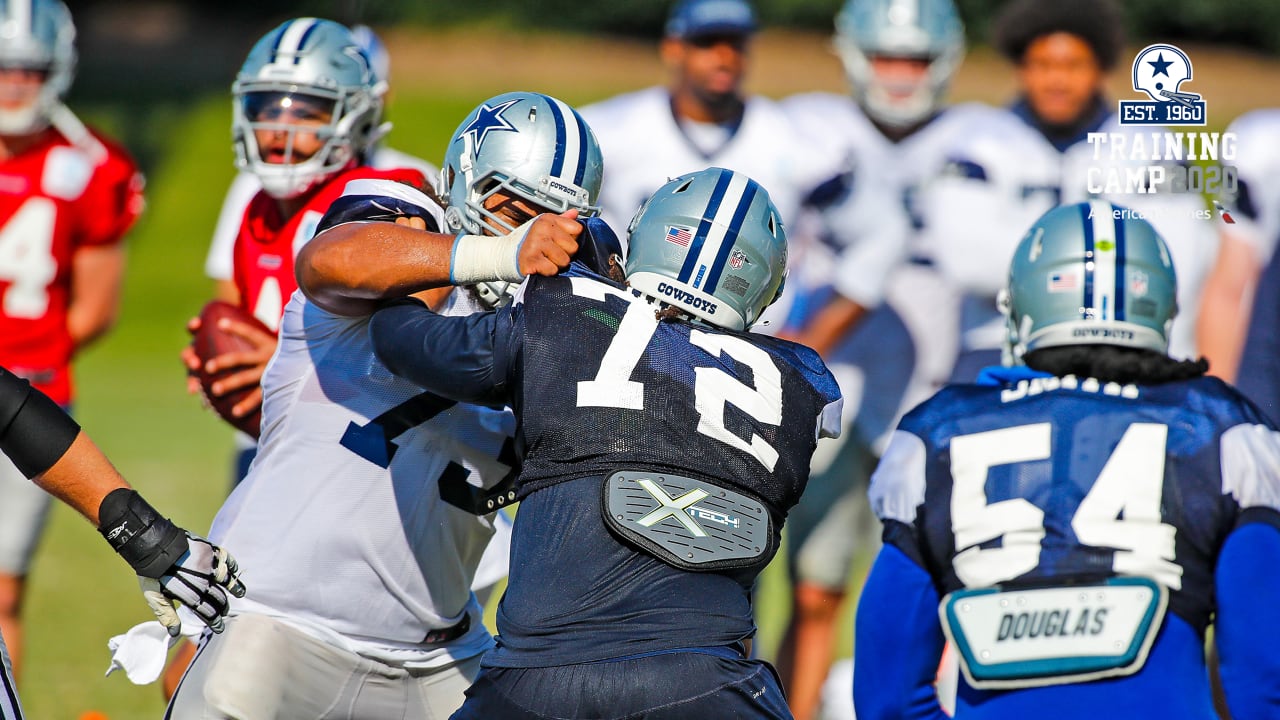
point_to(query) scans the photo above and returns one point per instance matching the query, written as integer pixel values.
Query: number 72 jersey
(738, 409)
(1059, 481)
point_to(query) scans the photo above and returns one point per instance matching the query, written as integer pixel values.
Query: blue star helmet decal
(489, 119)
(1161, 66)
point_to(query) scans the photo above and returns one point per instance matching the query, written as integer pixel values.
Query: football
(209, 341)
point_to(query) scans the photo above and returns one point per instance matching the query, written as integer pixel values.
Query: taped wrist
(149, 542)
(481, 258)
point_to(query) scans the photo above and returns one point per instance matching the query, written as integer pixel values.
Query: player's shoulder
(381, 196)
(1264, 122)
(802, 359)
(638, 107)
(1215, 402)
(388, 158)
(818, 105)
(969, 117)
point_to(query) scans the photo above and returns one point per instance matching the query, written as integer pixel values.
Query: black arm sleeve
(453, 357)
(34, 432)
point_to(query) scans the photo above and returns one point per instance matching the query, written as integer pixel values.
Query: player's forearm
(451, 356)
(81, 478)
(349, 268)
(97, 276)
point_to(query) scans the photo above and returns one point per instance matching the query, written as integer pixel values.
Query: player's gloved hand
(172, 564)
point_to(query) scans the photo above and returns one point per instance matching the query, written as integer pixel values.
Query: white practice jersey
(877, 250)
(220, 260)
(1004, 175)
(340, 525)
(1255, 207)
(644, 147)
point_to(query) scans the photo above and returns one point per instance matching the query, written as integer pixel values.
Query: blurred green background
(156, 75)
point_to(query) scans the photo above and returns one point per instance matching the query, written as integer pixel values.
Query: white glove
(200, 579)
(171, 563)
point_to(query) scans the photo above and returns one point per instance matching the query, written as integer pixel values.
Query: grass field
(131, 395)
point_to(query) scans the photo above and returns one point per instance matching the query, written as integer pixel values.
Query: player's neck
(687, 105)
(14, 145)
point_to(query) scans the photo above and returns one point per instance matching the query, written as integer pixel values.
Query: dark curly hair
(1109, 363)
(1097, 22)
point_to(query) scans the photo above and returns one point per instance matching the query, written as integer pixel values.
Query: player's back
(1057, 483)
(706, 433)
(359, 485)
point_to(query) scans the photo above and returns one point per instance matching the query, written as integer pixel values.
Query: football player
(307, 109)
(701, 117)
(885, 327)
(370, 503)
(1247, 243)
(173, 566)
(1074, 522)
(658, 434)
(220, 260)
(1016, 165)
(69, 197)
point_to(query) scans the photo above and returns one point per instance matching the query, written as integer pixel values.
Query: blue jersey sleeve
(899, 642)
(1259, 375)
(1245, 631)
(461, 358)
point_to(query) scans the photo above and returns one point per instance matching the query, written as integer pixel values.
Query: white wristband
(482, 258)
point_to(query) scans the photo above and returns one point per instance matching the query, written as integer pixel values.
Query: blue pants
(673, 686)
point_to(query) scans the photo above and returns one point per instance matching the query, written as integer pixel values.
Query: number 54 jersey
(1047, 482)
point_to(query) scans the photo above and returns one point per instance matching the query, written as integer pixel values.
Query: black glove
(172, 564)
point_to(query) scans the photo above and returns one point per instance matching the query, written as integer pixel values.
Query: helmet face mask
(38, 35)
(712, 244)
(294, 77)
(517, 153)
(1089, 274)
(925, 31)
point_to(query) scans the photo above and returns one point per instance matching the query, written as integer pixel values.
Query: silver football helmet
(929, 30)
(305, 68)
(1092, 273)
(712, 244)
(37, 35)
(522, 145)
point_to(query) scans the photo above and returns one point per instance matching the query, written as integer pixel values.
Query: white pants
(261, 669)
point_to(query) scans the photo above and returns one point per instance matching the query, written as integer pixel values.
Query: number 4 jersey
(1035, 482)
(55, 199)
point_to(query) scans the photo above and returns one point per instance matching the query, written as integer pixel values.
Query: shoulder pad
(381, 201)
(596, 245)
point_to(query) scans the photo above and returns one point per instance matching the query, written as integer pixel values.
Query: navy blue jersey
(1040, 481)
(600, 385)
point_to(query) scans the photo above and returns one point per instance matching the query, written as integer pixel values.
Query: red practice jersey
(267, 243)
(55, 199)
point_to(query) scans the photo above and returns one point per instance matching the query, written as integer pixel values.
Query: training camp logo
(1159, 71)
